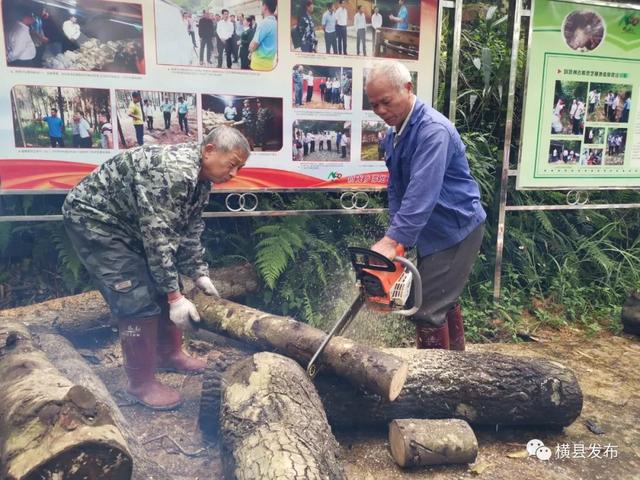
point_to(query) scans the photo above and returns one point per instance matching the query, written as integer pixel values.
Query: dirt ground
(608, 368)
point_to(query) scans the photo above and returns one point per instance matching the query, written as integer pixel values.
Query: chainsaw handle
(416, 287)
(362, 257)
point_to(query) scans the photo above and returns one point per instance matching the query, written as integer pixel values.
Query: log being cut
(272, 424)
(483, 388)
(365, 367)
(51, 427)
(87, 312)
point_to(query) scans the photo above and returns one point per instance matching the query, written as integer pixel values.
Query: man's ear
(209, 147)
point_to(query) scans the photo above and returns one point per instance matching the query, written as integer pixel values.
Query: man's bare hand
(386, 247)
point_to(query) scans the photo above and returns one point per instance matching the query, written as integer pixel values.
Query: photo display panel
(82, 80)
(581, 119)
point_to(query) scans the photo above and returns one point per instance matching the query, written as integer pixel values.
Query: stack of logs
(271, 419)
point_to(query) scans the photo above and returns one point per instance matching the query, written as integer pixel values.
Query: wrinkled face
(389, 103)
(219, 166)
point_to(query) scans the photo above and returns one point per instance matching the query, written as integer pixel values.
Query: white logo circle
(533, 446)
(543, 453)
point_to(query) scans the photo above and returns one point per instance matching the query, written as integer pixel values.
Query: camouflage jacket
(151, 198)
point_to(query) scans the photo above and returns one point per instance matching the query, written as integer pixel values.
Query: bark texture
(86, 312)
(212, 381)
(416, 443)
(272, 424)
(71, 364)
(362, 366)
(481, 388)
(51, 427)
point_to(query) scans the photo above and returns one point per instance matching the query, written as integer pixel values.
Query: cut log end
(89, 460)
(398, 381)
(396, 442)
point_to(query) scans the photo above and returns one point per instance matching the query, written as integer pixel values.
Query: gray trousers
(118, 269)
(444, 275)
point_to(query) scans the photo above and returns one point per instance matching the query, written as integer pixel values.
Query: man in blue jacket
(434, 202)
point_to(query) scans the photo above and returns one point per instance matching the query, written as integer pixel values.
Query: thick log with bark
(69, 362)
(483, 388)
(415, 442)
(363, 366)
(630, 315)
(272, 424)
(86, 312)
(51, 427)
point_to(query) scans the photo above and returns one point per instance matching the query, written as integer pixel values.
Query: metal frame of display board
(360, 203)
(576, 199)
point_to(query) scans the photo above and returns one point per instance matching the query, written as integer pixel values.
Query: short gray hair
(227, 139)
(397, 73)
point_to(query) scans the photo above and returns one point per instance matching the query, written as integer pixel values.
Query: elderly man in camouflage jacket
(136, 223)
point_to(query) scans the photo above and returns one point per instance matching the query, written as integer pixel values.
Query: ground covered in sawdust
(608, 368)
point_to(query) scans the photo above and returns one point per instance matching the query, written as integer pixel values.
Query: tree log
(415, 443)
(363, 366)
(69, 362)
(79, 314)
(483, 388)
(273, 425)
(630, 315)
(51, 427)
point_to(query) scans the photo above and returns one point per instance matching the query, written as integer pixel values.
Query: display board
(581, 126)
(82, 80)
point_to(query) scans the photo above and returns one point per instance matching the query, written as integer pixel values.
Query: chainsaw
(384, 285)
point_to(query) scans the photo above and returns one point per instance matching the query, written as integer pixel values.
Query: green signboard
(581, 126)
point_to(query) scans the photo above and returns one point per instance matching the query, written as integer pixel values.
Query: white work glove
(205, 284)
(182, 312)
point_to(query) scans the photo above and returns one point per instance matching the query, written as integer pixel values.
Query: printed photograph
(151, 117)
(59, 117)
(382, 28)
(583, 30)
(315, 86)
(616, 146)
(240, 35)
(570, 108)
(74, 35)
(591, 157)
(594, 135)
(365, 100)
(258, 118)
(321, 141)
(609, 102)
(373, 134)
(564, 152)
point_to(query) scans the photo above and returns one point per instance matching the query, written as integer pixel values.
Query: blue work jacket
(434, 201)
